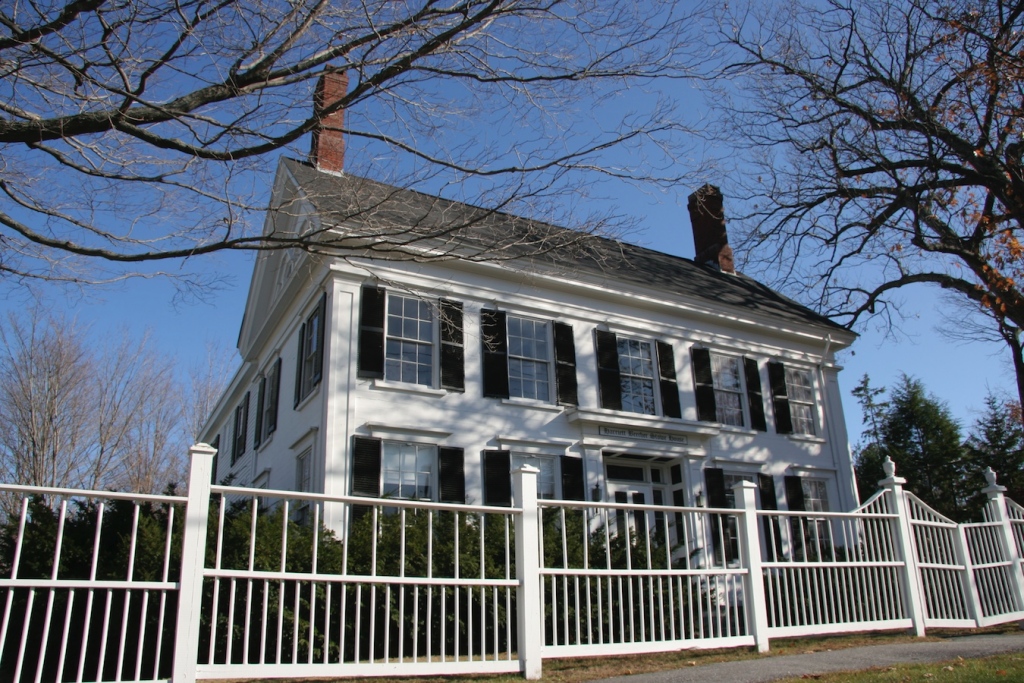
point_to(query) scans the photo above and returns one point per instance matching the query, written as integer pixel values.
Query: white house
(622, 373)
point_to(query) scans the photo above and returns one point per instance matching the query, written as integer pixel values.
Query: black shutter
(754, 399)
(769, 501)
(780, 397)
(453, 366)
(495, 353)
(799, 526)
(274, 398)
(318, 362)
(565, 364)
(795, 494)
(679, 500)
(766, 487)
(261, 398)
(216, 458)
(714, 481)
(669, 389)
(370, 358)
(608, 378)
(451, 473)
(497, 478)
(704, 385)
(366, 466)
(573, 483)
(298, 365)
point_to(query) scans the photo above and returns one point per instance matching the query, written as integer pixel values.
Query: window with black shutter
(451, 474)
(573, 480)
(266, 404)
(370, 356)
(755, 402)
(273, 396)
(704, 385)
(215, 444)
(799, 525)
(241, 427)
(453, 372)
(497, 480)
(310, 365)
(366, 466)
(667, 375)
(769, 501)
(494, 342)
(714, 482)
(565, 364)
(261, 397)
(780, 397)
(608, 379)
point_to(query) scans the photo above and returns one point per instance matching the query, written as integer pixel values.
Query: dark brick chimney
(708, 222)
(327, 152)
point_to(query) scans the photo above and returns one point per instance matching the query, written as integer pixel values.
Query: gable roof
(408, 221)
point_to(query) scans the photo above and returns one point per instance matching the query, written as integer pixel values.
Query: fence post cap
(201, 449)
(990, 479)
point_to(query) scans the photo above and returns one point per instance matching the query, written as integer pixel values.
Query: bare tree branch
(889, 140)
(155, 119)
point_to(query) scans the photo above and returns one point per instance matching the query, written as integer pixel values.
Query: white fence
(250, 583)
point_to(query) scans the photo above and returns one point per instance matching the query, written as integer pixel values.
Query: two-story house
(622, 373)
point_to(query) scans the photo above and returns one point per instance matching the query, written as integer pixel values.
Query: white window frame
(804, 423)
(310, 351)
(432, 475)
(432, 344)
(722, 391)
(626, 376)
(536, 360)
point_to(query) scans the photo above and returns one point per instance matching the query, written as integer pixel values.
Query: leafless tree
(140, 131)
(45, 401)
(77, 414)
(207, 380)
(887, 141)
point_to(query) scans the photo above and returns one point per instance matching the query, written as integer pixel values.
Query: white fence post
(750, 543)
(193, 556)
(528, 608)
(905, 545)
(997, 510)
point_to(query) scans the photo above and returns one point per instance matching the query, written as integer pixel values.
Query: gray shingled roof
(386, 211)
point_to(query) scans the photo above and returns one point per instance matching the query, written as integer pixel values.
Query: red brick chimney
(708, 222)
(327, 152)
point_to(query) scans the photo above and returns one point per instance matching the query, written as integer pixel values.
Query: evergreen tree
(924, 441)
(869, 455)
(997, 441)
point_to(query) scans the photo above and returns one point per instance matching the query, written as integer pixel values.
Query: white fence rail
(250, 583)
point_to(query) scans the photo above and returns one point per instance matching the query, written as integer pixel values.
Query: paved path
(767, 669)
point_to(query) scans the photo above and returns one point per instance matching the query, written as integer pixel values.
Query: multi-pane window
(309, 370)
(311, 351)
(725, 371)
(304, 470)
(636, 374)
(407, 470)
(409, 350)
(529, 358)
(546, 478)
(266, 403)
(801, 399)
(815, 495)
